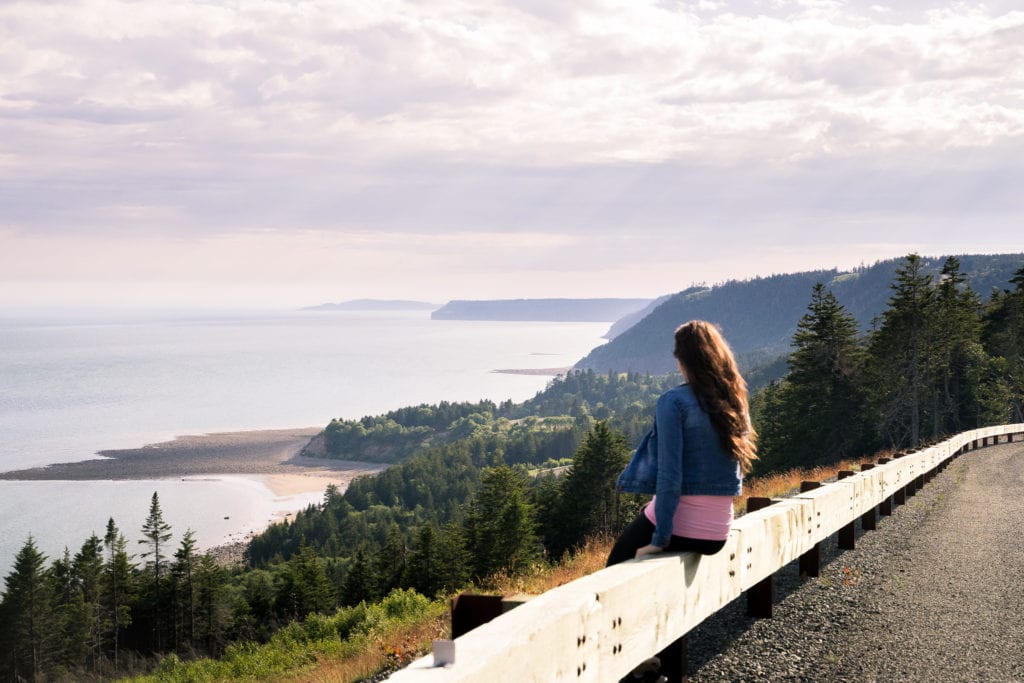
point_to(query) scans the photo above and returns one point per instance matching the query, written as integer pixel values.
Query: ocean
(72, 385)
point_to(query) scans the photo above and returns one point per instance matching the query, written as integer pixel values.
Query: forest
(482, 489)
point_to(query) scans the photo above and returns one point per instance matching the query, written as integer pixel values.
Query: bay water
(75, 384)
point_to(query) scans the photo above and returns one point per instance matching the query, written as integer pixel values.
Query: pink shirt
(706, 518)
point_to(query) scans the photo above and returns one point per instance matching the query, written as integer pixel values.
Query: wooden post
(761, 595)
(868, 519)
(470, 611)
(810, 562)
(847, 534)
(674, 665)
(885, 507)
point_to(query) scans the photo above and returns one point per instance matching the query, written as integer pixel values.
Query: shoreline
(273, 457)
(269, 452)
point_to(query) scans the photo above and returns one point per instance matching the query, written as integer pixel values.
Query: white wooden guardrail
(599, 627)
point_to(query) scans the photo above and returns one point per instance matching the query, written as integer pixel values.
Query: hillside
(548, 310)
(759, 316)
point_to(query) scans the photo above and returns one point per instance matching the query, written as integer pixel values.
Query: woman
(694, 458)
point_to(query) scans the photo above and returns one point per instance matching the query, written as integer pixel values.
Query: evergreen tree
(389, 565)
(118, 582)
(1003, 338)
(27, 619)
(213, 611)
(184, 591)
(313, 590)
(87, 572)
(359, 584)
(901, 355)
(957, 342)
(423, 568)
(157, 533)
(501, 527)
(815, 411)
(452, 561)
(588, 502)
(68, 638)
(259, 617)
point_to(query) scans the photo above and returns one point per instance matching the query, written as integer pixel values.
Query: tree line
(937, 361)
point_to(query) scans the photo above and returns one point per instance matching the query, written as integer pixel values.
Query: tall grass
(784, 483)
(369, 636)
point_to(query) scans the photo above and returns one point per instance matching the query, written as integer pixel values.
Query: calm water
(71, 387)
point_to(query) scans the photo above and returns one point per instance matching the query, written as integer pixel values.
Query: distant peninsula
(543, 310)
(375, 305)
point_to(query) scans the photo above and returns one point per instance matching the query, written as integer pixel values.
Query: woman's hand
(648, 550)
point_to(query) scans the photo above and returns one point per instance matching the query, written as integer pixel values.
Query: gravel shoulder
(934, 594)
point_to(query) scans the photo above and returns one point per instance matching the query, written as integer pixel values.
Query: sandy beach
(273, 452)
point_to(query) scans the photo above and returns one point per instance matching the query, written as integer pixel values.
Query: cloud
(761, 120)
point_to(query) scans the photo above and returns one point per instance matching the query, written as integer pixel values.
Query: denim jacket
(680, 456)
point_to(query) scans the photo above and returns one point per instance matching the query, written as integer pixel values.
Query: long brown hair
(712, 374)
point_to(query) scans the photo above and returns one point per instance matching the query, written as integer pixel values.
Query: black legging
(638, 534)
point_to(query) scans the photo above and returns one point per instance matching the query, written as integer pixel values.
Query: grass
(353, 643)
(590, 558)
(783, 483)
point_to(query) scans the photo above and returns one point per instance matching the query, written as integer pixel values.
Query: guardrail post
(899, 496)
(470, 610)
(868, 519)
(674, 665)
(810, 562)
(847, 534)
(885, 507)
(761, 595)
(912, 487)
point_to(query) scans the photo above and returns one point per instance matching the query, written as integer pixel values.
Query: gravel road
(935, 594)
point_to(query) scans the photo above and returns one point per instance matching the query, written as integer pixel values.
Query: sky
(291, 152)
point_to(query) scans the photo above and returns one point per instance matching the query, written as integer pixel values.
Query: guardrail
(599, 627)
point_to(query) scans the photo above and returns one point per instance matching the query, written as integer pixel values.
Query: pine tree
(957, 350)
(1003, 338)
(213, 611)
(423, 568)
(184, 591)
(27, 619)
(901, 354)
(389, 564)
(452, 560)
(118, 582)
(588, 503)
(87, 571)
(157, 534)
(313, 590)
(359, 584)
(816, 409)
(501, 528)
